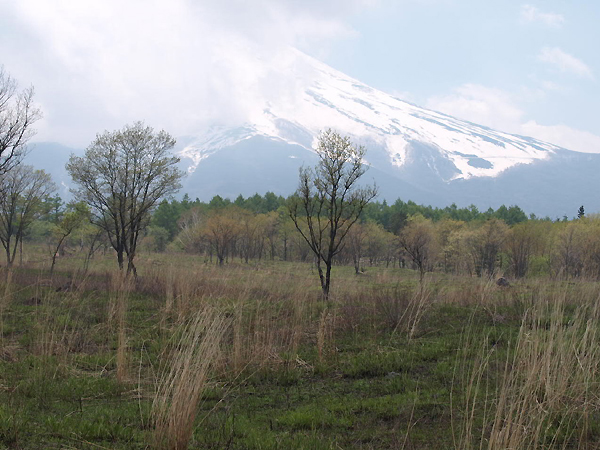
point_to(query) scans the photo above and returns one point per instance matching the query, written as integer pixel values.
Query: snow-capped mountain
(330, 99)
(414, 153)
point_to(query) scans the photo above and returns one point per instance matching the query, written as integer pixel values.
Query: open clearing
(455, 362)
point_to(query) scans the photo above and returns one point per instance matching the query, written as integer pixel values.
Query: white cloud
(479, 104)
(564, 62)
(500, 110)
(177, 64)
(564, 136)
(530, 14)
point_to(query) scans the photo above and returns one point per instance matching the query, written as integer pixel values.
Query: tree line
(392, 217)
(481, 244)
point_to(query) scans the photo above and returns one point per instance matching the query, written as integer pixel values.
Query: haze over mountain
(413, 153)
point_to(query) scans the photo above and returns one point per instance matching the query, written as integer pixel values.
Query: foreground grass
(456, 363)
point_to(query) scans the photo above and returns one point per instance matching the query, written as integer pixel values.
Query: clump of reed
(187, 371)
(271, 313)
(545, 392)
(120, 288)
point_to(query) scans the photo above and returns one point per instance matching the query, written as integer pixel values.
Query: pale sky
(530, 68)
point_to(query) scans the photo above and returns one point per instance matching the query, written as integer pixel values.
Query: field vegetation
(241, 351)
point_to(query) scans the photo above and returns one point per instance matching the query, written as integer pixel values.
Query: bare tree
(379, 244)
(271, 227)
(17, 115)
(122, 176)
(191, 231)
(22, 191)
(222, 228)
(569, 249)
(522, 242)
(328, 201)
(451, 243)
(484, 245)
(357, 237)
(418, 239)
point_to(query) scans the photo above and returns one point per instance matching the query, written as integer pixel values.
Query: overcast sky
(529, 68)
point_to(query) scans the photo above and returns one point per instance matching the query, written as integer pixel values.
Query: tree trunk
(91, 252)
(131, 269)
(322, 277)
(12, 254)
(8, 258)
(120, 258)
(327, 279)
(55, 253)
(356, 264)
(53, 263)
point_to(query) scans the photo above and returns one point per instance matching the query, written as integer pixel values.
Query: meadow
(249, 356)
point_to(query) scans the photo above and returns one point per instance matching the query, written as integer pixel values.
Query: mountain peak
(320, 97)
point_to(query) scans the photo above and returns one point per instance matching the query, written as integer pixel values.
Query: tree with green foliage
(22, 192)
(581, 212)
(157, 238)
(122, 176)
(190, 236)
(511, 215)
(166, 216)
(73, 218)
(218, 202)
(449, 236)
(53, 209)
(328, 201)
(397, 217)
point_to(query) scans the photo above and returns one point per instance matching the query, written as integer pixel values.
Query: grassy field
(247, 356)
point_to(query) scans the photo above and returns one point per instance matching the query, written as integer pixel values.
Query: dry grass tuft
(325, 336)
(180, 389)
(121, 287)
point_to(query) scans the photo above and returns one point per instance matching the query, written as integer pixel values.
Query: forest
(460, 241)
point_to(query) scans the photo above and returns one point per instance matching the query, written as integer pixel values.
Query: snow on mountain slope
(309, 96)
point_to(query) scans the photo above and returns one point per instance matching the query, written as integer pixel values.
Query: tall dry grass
(120, 289)
(326, 335)
(5, 290)
(180, 389)
(546, 395)
(271, 313)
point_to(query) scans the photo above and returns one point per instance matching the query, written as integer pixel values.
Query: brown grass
(180, 389)
(121, 286)
(546, 391)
